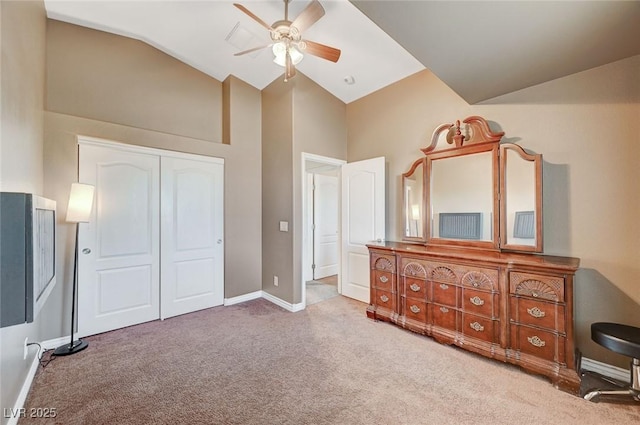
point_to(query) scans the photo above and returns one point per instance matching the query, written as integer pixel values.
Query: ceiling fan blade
(322, 51)
(244, 52)
(289, 70)
(254, 17)
(309, 16)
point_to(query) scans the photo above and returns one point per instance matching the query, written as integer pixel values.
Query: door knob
(86, 251)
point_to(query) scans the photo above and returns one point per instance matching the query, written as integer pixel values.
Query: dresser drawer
(543, 344)
(550, 288)
(384, 299)
(416, 310)
(538, 313)
(412, 267)
(383, 262)
(479, 302)
(480, 328)
(443, 316)
(444, 293)
(383, 280)
(477, 278)
(415, 288)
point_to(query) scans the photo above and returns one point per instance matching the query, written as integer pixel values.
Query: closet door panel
(118, 264)
(192, 271)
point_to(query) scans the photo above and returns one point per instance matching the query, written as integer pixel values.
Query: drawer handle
(444, 309)
(476, 326)
(415, 309)
(414, 287)
(536, 341)
(444, 286)
(476, 301)
(384, 279)
(384, 298)
(536, 312)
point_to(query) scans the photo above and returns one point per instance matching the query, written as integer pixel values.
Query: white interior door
(325, 214)
(118, 280)
(363, 221)
(192, 261)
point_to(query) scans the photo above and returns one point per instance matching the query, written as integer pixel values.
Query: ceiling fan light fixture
(280, 53)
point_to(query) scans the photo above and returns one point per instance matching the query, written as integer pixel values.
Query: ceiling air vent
(242, 39)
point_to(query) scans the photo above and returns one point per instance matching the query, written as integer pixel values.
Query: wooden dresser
(514, 307)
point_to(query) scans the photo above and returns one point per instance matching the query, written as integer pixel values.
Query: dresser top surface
(474, 254)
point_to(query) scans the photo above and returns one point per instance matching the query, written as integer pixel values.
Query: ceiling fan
(287, 43)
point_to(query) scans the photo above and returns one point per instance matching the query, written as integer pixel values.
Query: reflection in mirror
(520, 195)
(413, 187)
(462, 197)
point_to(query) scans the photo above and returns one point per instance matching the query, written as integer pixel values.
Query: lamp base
(67, 349)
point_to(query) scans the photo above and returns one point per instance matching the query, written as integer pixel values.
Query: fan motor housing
(283, 29)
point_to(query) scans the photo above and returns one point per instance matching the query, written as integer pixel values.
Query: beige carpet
(254, 363)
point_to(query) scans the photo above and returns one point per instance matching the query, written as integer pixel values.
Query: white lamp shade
(80, 203)
(279, 51)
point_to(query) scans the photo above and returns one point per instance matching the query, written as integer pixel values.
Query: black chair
(625, 340)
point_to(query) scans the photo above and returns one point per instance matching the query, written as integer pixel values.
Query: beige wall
(298, 116)
(90, 71)
(22, 70)
(586, 126)
(243, 190)
(277, 189)
(242, 157)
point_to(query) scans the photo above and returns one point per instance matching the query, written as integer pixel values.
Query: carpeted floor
(255, 363)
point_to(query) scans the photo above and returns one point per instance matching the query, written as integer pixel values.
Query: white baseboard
(242, 298)
(605, 369)
(267, 296)
(50, 344)
(280, 302)
(24, 391)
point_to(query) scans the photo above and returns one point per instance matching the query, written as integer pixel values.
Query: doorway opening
(321, 236)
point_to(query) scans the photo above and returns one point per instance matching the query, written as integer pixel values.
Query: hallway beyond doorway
(322, 289)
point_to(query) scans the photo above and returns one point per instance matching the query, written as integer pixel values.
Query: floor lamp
(78, 211)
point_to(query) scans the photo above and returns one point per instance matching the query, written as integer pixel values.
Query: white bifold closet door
(192, 249)
(154, 245)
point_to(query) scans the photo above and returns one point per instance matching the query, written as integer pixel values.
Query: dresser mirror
(521, 199)
(471, 191)
(461, 197)
(413, 195)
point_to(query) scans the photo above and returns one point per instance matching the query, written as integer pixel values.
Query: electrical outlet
(26, 350)
(275, 280)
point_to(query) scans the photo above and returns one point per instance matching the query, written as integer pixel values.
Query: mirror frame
(537, 160)
(414, 167)
(464, 151)
(477, 138)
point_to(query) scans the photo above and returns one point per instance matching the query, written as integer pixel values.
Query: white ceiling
(195, 32)
(481, 49)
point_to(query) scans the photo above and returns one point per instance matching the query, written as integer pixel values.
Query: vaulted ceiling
(481, 49)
